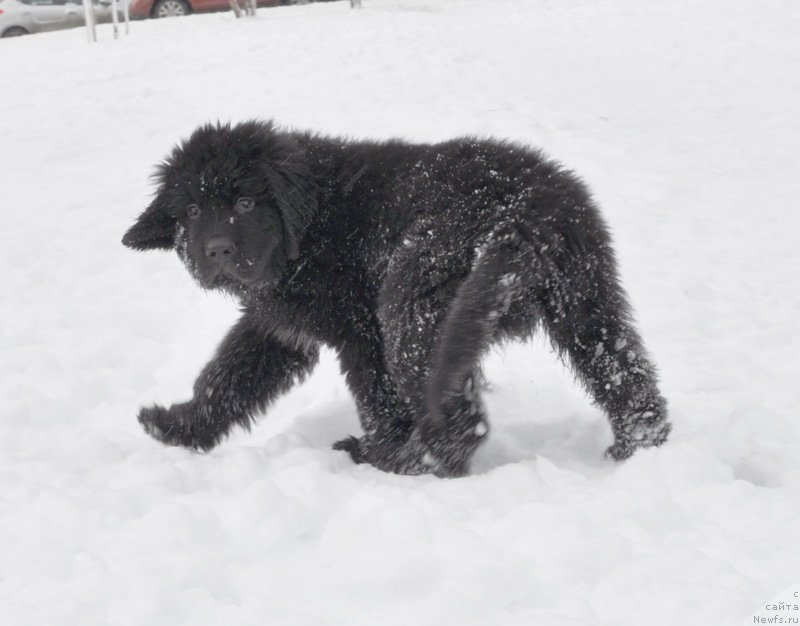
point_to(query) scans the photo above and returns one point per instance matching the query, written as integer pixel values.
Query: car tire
(14, 31)
(171, 8)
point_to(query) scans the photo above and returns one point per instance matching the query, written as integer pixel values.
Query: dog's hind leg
(586, 314)
(569, 282)
(454, 421)
(434, 335)
(386, 374)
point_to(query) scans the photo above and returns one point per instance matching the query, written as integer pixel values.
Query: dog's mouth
(240, 273)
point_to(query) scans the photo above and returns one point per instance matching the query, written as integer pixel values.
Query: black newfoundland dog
(409, 260)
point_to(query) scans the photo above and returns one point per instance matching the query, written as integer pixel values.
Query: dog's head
(234, 202)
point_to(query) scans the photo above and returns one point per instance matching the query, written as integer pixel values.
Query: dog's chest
(298, 317)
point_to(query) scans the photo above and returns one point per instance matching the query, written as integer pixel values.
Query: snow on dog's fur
(410, 260)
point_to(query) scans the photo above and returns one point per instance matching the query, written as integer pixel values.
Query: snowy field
(682, 116)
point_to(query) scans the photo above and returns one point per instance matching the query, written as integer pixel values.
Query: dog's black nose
(220, 248)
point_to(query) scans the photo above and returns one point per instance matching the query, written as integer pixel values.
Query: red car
(168, 8)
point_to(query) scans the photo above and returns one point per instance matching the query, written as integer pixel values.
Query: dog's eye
(193, 211)
(243, 205)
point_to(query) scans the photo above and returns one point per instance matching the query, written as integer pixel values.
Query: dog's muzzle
(224, 257)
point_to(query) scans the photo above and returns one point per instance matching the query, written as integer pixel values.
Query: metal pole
(127, 15)
(115, 18)
(88, 16)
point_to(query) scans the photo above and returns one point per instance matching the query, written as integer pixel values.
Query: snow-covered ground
(683, 118)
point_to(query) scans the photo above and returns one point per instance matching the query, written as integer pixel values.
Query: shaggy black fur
(409, 260)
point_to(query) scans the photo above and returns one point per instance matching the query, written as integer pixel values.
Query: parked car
(21, 17)
(171, 8)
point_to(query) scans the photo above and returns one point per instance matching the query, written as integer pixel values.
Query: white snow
(682, 117)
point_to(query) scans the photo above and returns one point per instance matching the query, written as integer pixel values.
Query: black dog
(409, 260)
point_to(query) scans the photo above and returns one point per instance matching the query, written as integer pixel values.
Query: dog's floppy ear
(295, 192)
(155, 229)
(297, 208)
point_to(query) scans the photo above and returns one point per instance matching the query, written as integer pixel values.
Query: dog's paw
(174, 427)
(157, 423)
(351, 445)
(644, 434)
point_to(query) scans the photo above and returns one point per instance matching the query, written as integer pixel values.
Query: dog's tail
(471, 323)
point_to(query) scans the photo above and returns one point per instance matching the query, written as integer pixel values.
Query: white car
(21, 17)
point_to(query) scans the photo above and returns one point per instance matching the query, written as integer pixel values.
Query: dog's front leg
(249, 370)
